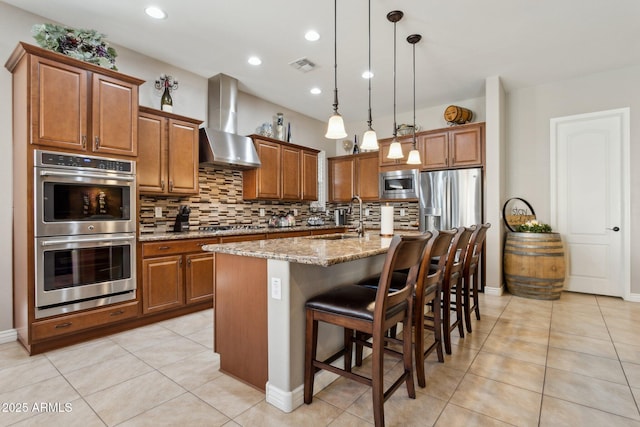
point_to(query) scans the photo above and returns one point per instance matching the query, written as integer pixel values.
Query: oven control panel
(65, 160)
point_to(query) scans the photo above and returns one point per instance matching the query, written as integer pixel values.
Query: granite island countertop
(196, 234)
(322, 250)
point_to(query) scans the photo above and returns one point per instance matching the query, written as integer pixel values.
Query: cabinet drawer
(242, 238)
(285, 234)
(77, 322)
(173, 247)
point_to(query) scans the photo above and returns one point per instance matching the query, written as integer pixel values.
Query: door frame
(624, 115)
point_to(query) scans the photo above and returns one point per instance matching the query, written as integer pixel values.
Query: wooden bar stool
(451, 286)
(471, 289)
(372, 312)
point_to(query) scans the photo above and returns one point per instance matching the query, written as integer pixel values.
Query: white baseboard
(488, 290)
(633, 297)
(8, 336)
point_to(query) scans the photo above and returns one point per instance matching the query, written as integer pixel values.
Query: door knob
(614, 228)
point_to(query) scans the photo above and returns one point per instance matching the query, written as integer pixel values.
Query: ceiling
(525, 42)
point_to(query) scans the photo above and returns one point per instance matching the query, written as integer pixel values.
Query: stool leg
(348, 348)
(419, 345)
(437, 326)
(311, 341)
(466, 304)
(475, 295)
(377, 382)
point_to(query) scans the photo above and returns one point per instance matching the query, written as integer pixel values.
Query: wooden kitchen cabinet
(395, 164)
(76, 106)
(351, 175)
(456, 147)
(176, 273)
(287, 172)
(167, 153)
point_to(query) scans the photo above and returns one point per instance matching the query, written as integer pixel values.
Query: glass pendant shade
(335, 128)
(414, 157)
(370, 140)
(395, 151)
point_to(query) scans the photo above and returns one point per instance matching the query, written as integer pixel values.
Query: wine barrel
(457, 115)
(534, 265)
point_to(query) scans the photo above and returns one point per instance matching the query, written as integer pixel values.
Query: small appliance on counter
(341, 216)
(182, 219)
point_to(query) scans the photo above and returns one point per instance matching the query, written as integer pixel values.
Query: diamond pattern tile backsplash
(220, 203)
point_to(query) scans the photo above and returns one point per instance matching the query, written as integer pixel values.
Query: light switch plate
(158, 212)
(276, 288)
(261, 211)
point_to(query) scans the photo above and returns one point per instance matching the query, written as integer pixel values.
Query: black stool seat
(351, 300)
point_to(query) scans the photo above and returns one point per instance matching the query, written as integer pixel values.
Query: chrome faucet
(360, 227)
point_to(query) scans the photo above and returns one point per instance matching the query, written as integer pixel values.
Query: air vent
(303, 64)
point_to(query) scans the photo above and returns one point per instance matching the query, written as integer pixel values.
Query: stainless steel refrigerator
(450, 199)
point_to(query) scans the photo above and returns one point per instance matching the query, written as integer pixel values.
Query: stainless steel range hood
(220, 145)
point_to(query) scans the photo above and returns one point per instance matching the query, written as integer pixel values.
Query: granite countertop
(170, 235)
(322, 250)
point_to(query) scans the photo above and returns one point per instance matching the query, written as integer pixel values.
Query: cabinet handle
(162, 248)
(97, 142)
(162, 184)
(171, 185)
(84, 142)
(116, 313)
(180, 262)
(189, 263)
(63, 325)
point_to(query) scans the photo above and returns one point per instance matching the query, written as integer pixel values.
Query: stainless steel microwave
(399, 184)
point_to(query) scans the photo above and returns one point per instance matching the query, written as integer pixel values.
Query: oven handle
(96, 240)
(87, 175)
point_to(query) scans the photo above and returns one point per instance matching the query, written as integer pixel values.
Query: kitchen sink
(335, 237)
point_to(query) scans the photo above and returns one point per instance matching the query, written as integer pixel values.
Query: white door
(590, 199)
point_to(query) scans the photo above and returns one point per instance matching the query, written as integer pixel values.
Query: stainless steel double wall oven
(85, 231)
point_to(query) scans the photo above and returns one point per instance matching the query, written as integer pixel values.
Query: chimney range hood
(220, 145)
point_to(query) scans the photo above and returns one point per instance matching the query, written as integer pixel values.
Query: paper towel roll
(386, 220)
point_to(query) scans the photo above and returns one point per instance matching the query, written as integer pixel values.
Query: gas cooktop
(229, 227)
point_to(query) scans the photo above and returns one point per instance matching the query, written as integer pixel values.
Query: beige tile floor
(573, 362)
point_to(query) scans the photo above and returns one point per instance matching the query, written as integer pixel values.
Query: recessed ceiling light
(254, 60)
(155, 12)
(316, 91)
(312, 35)
(367, 75)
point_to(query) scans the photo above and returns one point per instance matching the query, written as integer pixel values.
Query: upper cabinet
(454, 147)
(167, 153)
(395, 164)
(287, 172)
(76, 106)
(352, 175)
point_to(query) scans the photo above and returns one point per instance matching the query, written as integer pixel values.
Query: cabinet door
(309, 175)
(291, 173)
(182, 157)
(268, 174)
(114, 116)
(434, 150)
(200, 277)
(367, 176)
(152, 154)
(341, 183)
(162, 286)
(58, 105)
(393, 164)
(465, 146)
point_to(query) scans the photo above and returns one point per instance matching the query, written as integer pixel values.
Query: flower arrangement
(533, 226)
(86, 45)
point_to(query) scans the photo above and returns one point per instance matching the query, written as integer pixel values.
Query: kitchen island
(261, 289)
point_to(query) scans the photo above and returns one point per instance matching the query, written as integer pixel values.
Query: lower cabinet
(176, 273)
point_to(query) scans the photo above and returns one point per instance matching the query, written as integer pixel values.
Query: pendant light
(395, 149)
(335, 127)
(414, 155)
(369, 139)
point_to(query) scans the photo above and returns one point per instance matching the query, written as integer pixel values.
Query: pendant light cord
(335, 56)
(414, 97)
(370, 73)
(395, 125)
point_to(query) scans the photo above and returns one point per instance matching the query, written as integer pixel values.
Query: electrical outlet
(367, 212)
(403, 212)
(158, 212)
(276, 288)
(295, 212)
(261, 211)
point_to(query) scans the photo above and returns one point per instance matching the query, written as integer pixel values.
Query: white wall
(528, 141)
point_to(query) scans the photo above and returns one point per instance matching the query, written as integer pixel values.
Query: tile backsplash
(220, 203)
